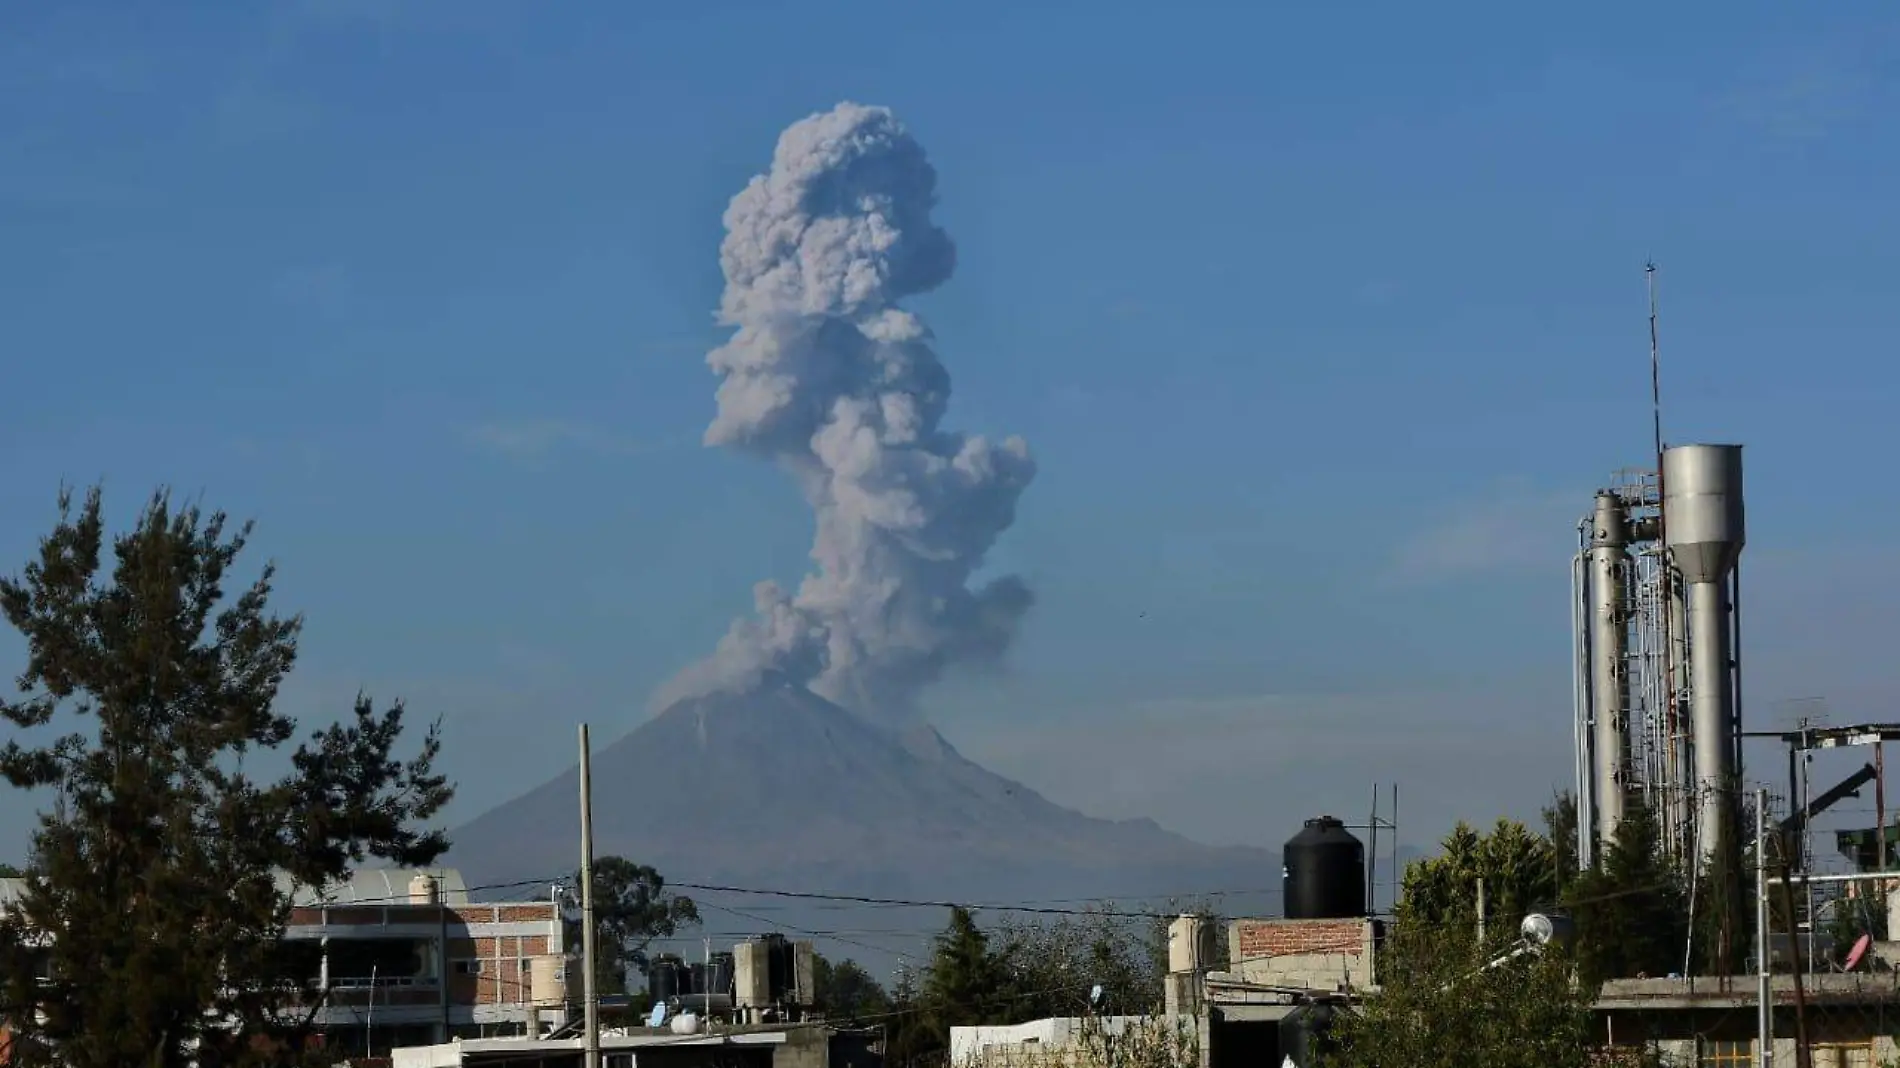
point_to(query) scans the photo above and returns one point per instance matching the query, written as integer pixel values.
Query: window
(1843, 1055)
(1726, 1053)
(471, 966)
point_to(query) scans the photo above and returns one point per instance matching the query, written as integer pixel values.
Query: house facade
(400, 957)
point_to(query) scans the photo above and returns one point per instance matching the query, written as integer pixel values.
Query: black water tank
(1325, 873)
(697, 978)
(721, 977)
(663, 978)
(778, 965)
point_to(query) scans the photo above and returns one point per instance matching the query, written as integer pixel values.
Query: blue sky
(1322, 325)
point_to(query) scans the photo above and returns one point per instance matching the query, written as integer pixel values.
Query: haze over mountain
(779, 788)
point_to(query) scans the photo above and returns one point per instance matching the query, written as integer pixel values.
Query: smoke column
(826, 375)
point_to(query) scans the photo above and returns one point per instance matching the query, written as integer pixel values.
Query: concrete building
(403, 957)
(792, 1046)
(407, 959)
(1064, 1042)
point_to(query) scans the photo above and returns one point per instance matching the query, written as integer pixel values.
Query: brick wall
(1277, 938)
(1312, 954)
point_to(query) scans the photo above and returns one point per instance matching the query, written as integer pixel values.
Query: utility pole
(590, 1043)
(1481, 913)
(1764, 994)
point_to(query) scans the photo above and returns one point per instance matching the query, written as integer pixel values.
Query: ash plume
(828, 376)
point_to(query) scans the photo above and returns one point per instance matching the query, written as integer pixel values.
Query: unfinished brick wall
(1313, 954)
(1259, 939)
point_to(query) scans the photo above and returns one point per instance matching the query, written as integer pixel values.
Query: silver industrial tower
(1655, 588)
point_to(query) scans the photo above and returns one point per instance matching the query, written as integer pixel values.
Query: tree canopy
(1439, 1005)
(160, 882)
(632, 907)
(845, 991)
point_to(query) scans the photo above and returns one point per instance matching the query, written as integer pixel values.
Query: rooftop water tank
(1324, 877)
(663, 978)
(424, 890)
(547, 980)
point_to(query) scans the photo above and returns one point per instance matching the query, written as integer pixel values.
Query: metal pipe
(1709, 705)
(1680, 749)
(1585, 757)
(1609, 653)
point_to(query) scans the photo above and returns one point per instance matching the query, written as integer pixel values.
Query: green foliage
(1560, 829)
(967, 984)
(159, 885)
(1440, 1006)
(846, 991)
(8, 871)
(1632, 907)
(632, 907)
(1519, 869)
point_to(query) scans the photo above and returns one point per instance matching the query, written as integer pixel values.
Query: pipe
(1709, 702)
(1609, 655)
(1585, 758)
(1675, 697)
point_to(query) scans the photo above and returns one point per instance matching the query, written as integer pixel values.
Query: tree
(966, 985)
(1631, 907)
(160, 883)
(1053, 965)
(846, 991)
(1560, 829)
(1519, 869)
(910, 1037)
(632, 907)
(8, 871)
(1439, 1007)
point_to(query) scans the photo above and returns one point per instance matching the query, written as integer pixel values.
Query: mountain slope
(782, 789)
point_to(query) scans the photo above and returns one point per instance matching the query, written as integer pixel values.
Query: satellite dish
(1861, 946)
(657, 1018)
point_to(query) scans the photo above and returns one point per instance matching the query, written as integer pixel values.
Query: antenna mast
(1655, 366)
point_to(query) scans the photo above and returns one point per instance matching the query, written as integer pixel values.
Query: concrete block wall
(1316, 954)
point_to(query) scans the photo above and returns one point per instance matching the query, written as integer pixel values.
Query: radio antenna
(1655, 365)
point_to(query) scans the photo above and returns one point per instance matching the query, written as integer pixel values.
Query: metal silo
(1705, 529)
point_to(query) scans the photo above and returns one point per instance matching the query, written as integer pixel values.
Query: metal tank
(719, 981)
(1609, 660)
(1324, 873)
(1705, 530)
(663, 978)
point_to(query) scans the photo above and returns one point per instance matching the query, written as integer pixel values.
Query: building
(407, 959)
(1067, 1042)
(802, 1045)
(403, 957)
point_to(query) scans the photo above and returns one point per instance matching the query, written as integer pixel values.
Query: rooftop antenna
(1655, 365)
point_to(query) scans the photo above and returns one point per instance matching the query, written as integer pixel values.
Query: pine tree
(1631, 906)
(159, 884)
(966, 984)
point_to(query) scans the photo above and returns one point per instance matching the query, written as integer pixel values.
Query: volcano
(778, 788)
